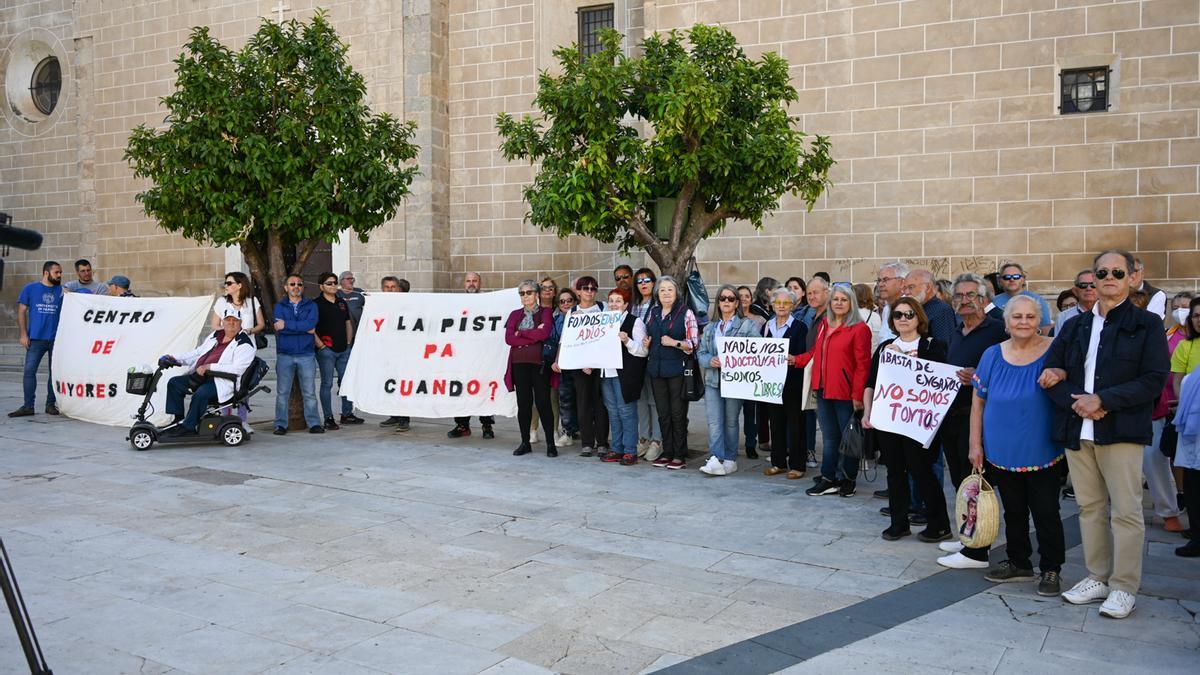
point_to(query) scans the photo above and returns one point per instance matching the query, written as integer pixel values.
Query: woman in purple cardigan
(525, 331)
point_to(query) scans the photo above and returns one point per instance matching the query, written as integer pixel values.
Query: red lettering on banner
(430, 349)
(439, 387)
(378, 324)
(103, 346)
(473, 387)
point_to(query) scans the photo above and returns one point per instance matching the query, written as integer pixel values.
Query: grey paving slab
(400, 650)
(1123, 652)
(311, 629)
(218, 649)
(468, 625)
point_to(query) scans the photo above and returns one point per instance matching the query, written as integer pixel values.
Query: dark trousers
(1022, 494)
(750, 423)
(672, 415)
(763, 412)
(532, 385)
(956, 444)
(906, 457)
(788, 450)
(1191, 499)
(177, 388)
(485, 421)
(589, 406)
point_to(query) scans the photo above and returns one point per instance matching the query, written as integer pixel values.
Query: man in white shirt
(888, 281)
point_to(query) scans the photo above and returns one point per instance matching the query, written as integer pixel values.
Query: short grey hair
(970, 277)
(528, 283)
(852, 317)
(898, 267)
(668, 279)
(785, 292)
(819, 280)
(1008, 307)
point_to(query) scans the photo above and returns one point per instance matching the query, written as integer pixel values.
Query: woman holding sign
(902, 455)
(671, 335)
(722, 412)
(622, 386)
(525, 331)
(592, 416)
(789, 447)
(1023, 462)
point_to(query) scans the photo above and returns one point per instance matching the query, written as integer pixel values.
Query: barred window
(592, 20)
(1084, 90)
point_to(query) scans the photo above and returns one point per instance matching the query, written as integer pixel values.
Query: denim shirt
(737, 327)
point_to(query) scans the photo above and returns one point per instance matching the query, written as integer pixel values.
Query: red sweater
(841, 360)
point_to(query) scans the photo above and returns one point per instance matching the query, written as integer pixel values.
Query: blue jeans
(328, 361)
(204, 395)
(33, 359)
(810, 429)
(622, 417)
(567, 418)
(304, 368)
(833, 416)
(723, 429)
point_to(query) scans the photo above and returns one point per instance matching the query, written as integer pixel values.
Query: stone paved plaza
(366, 551)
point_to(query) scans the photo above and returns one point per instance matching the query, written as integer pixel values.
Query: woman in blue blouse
(1011, 417)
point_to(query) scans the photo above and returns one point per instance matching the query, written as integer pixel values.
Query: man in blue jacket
(1104, 373)
(296, 355)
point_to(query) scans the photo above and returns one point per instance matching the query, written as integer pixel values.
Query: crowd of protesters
(1073, 404)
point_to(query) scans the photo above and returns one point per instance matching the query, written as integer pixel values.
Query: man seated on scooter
(214, 369)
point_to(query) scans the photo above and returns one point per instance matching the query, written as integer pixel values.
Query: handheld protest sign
(752, 369)
(912, 395)
(590, 340)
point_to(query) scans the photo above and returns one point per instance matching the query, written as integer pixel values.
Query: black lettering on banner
(117, 317)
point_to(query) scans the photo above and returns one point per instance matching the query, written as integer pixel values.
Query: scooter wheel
(233, 435)
(141, 439)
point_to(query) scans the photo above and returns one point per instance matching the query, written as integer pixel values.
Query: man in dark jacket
(1104, 373)
(296, 355)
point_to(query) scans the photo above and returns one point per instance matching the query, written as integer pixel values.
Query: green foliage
(707, 126)
(272, 146)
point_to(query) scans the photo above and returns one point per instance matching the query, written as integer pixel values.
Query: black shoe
(824, 486)
(1069, 492)
(331, 425)
(352, 419)
(316, 429)
(52, 409)
(551, 451)
(880, 494)
(846, 488)
(918, 518)
(886, 512)
(403, 424)
(751, 453)
(390, 422)
(893, 534)
(488, 433)
(933, 536)
(280, 431)
(1189, 550)
(459, 432)
(1005, 572)
(23, 411)
(523, 449)
(1049, 585)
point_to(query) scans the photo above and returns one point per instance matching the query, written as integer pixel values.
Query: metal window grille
(46, 84)
(1084, 90)
(592, 20)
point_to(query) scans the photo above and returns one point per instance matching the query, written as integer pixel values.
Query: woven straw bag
(976, 512)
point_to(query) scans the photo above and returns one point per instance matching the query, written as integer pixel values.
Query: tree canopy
(272, 148)
(692, 119)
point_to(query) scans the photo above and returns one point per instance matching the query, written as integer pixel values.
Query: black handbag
(693, 378)
(1169, 439)
(853, 444)
(697, 295)
(260, 340)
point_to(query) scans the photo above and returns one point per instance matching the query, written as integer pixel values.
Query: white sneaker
(951, 546)
(641, 447)
(1087, 591)
(1118, 605)
(653, 451)
(563, 440)
(533, 435)
(958, 561)
(711, 466)
(730, 466)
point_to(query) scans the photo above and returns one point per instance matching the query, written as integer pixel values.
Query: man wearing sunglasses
(1084, 291)
(1105, 372)
(623, 277)
(1013, 280)
(296, 355)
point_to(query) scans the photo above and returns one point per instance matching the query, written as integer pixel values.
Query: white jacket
(236, 358)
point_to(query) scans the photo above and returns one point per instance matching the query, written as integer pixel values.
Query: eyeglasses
(1086, 284)
(591, 289)
(907, 316)
(623, 277)
(348, 279)
(230, 283)
(296, 284)
(909, 289)
(330, 283)
(1116, 272)
(549, 288)
(566, 301)
(726, 298)
(528, 292)
(969, 295)
(782, 303)
(884, 280)
(1012, 277)
(644, 280)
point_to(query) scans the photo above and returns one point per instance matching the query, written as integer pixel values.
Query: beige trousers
(1108, 491)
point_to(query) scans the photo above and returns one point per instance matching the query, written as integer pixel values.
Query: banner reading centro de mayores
(432, 355)
(100, 337)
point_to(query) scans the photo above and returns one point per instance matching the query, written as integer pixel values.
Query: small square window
(592, 20)
(1084, 90)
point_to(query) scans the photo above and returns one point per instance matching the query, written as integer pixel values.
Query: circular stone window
(46, 85)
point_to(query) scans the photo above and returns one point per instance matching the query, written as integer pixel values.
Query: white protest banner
(432, 355)
(752, 369)
(590, 340)
(912, 395)
(101, 337)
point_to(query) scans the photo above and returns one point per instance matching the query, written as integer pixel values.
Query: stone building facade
(944, 115)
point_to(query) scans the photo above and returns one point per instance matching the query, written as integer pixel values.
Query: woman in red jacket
(841, 359)
(525, 331)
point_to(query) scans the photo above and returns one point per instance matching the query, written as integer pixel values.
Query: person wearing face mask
(38, 310)
(1179, 313)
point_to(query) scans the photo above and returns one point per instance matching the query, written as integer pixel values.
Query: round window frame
(36, 88)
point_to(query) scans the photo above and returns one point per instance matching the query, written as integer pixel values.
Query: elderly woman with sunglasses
(902, 455)
(727, 321)
(593, 417)
(525, 332)
(649, 433)
(672, 334)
